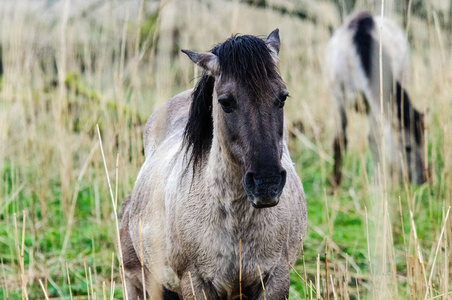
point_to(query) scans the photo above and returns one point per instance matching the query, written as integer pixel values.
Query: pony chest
(223, 243)
(207, 239)
(219, 231)
(235, 270)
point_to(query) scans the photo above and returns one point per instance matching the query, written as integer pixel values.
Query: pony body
(199, 195)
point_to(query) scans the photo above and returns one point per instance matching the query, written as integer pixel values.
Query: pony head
(240, 100)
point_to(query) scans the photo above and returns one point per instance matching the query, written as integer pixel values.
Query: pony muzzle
(264, 191)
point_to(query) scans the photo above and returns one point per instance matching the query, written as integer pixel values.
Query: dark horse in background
(352, 65)
(218, 201)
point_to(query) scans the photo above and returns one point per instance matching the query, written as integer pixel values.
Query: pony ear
(208, 61)
(273, 43)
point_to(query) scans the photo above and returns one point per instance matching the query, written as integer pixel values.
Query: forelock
(248, 60)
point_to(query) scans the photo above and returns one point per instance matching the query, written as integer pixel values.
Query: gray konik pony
(352, 66)
(218, 175)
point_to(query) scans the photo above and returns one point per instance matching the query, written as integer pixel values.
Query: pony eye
(282, 99)
(227, 104)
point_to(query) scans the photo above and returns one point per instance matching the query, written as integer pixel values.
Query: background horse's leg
(199, 286)
(339, 145)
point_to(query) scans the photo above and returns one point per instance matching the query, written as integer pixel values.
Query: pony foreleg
(276, 286)
(132, 265)
(195, 288)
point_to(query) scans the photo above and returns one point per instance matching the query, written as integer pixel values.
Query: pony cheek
(230, 146)
(232, 142)
(237, 155)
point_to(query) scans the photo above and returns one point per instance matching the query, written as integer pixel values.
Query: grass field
(67, 66)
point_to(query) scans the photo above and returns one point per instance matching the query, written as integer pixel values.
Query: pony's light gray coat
(350, 75)
(192, 223)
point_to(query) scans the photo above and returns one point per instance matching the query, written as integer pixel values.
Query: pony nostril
(250, 180)
(283, 176)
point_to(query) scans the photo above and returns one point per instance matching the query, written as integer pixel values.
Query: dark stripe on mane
(411, 116)
(363, 24)
(245, 59)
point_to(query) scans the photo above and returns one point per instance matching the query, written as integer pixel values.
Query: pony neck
(224, 177)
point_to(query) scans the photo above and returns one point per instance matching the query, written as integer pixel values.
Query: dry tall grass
(69, 65)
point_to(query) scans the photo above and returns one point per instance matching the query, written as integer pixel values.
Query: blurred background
(66, 66)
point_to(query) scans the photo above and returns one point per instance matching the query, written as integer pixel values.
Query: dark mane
(412, 118)
(245, 59)
(198, 132)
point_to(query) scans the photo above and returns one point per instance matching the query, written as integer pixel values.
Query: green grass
(90, 242)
